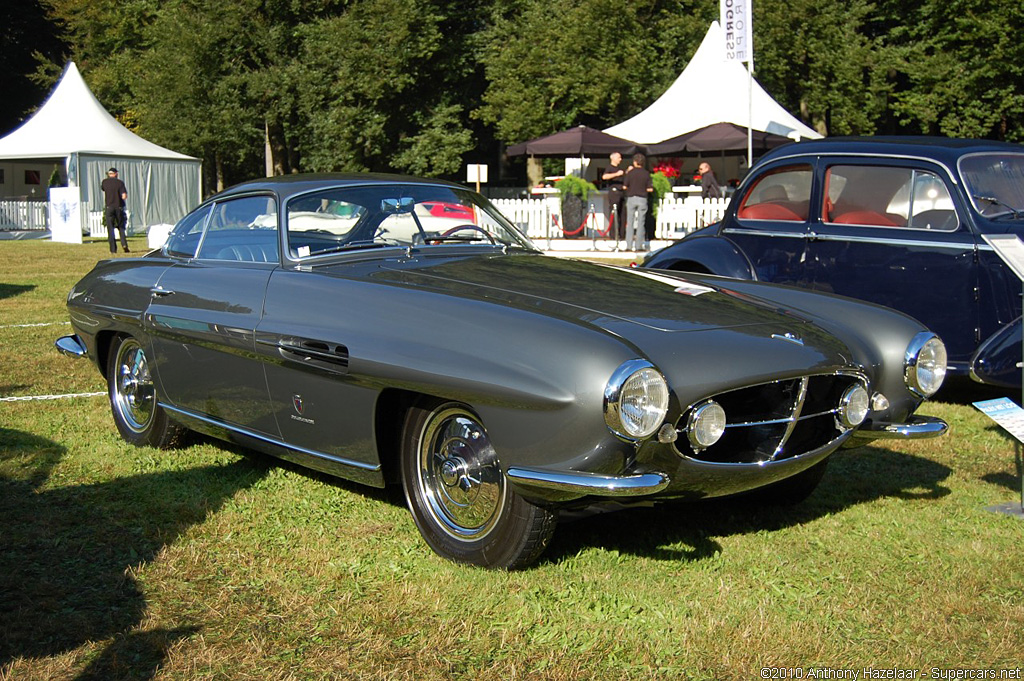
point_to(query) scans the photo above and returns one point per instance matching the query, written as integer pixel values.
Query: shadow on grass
(67, 553)
(853, 477)
(12, 290)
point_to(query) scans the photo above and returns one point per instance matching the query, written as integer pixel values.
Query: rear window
(783, 194)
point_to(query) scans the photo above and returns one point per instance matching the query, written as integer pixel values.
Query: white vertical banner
(65, 206)
(738, 26)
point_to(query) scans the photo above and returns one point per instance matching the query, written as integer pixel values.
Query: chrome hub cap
(134, 396)
(459, 475)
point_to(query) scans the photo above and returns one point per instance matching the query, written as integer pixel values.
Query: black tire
(792, 490)
(133, 398)
(459, 497)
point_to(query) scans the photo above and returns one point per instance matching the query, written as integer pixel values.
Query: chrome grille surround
(774, 421)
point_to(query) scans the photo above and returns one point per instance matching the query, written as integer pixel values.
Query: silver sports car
(397, 330)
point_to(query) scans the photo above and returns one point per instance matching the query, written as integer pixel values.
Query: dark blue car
(895, 221)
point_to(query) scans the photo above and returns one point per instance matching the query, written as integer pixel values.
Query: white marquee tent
(710, 90)
(72, 130)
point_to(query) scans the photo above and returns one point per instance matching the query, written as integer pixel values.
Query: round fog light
(854, 405)
(706, 425)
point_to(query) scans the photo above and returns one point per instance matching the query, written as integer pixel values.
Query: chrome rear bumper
(72, 346)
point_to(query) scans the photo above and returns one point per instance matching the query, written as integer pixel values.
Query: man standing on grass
(114, 196)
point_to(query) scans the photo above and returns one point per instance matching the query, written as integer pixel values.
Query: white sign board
(65, 208)
(1005, 413)
(1010, 248)
(738, 26)
(476, 172)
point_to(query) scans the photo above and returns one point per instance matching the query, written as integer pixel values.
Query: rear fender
(705, 255)
(997, 360)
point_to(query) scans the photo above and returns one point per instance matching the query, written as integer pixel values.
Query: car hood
(613, 298)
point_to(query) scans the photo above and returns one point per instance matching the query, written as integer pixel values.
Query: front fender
(703, 254)
(997, 360)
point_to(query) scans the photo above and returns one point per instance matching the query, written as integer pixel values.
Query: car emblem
(792, 338)
(297, 403)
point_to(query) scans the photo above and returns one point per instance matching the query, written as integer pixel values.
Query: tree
(962, 63)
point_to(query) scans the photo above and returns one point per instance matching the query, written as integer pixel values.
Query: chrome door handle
(158, 292)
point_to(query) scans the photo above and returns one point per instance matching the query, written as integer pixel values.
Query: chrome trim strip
(590, 483)
(895, 242)
(72, 346)
(272, 441)
(758, 232)
(817, 236)
(919, 428)
(794, 417)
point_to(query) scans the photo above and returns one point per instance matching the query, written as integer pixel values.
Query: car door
(770, 223)
(203, 314)
(312, 316)
(889, 232)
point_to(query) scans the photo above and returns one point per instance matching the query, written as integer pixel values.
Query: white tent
(710, 90)
(72, 131)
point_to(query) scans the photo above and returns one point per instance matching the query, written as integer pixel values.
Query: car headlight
(635, 400)
(925, 364)
(853, 406)
(706, 425)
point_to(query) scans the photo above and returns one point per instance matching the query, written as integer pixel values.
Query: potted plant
(574, 191)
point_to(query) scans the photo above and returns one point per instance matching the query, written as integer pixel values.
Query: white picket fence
(677, 217)
(22, 215)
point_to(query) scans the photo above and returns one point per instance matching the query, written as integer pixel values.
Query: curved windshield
(399, 214)
(995, 183)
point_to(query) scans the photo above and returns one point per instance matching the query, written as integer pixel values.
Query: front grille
(774, 421)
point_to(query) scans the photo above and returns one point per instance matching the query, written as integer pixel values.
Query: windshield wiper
(1016, 212)
(357, 245)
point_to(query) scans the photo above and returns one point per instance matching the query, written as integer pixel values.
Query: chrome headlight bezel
(854, 406)
(636, 400)
(700, 435)
(925, 364)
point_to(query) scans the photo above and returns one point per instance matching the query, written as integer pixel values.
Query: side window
(242, 229)
(783, 194)
(931, 206)
(866, 195)
(184, 238)
(882, 196)
(320, 222)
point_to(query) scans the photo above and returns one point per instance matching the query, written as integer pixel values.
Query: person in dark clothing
(637, 184)
(709, 187)
(114, 195)
(612, 176)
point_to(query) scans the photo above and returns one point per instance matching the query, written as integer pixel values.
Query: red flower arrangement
(668, 167)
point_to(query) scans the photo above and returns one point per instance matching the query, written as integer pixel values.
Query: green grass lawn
(207, 562)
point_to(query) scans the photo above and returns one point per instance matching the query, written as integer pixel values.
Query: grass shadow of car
(67, 553)
(853, 478)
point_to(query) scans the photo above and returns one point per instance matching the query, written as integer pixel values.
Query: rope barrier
(25, 326)
(31, 398)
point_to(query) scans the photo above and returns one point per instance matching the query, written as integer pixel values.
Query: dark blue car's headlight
(635, 400)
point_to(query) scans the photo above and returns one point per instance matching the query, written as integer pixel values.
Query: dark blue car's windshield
(995, 183)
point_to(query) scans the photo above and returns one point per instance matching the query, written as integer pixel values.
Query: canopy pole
(750, 111)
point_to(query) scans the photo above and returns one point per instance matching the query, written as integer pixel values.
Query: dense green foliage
(424, 86)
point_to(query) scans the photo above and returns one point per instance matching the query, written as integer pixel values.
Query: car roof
(946, 149)
(298, 183)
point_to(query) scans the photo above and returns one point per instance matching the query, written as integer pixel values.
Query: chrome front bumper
(918, 428)
(584, 484)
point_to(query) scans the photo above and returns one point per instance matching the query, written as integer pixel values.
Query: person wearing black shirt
(612, 176)
(709, 187)
(114, 195)
(637, 184)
